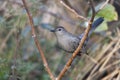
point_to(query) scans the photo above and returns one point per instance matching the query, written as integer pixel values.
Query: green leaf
(108, 12)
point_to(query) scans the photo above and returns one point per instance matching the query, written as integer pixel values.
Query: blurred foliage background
(19, 57)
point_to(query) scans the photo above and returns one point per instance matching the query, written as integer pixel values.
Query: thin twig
(110, 54)
(111, 75)
(105, 69)
(37, 42)
(66, 67)
(2, 46)
(104, 4)
(95, 71)
(100, 60)
(95, 68)
(118, 77)
(93, 60)
(72, 10)
(111, 65)
(13, 75)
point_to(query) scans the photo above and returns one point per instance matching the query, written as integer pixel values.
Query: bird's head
(59, 31)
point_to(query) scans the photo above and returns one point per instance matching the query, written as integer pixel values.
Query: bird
(69, 42)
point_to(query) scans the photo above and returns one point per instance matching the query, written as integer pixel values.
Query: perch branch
(66, 67)
(37, 42)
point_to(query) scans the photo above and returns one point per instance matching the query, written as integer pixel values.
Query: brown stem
(72, 10)
(37, 42)
(66, 67)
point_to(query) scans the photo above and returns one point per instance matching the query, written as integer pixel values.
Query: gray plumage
(70, 42)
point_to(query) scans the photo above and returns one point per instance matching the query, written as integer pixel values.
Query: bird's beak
(53, 30)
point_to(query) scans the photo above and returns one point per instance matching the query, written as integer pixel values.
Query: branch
(111, 54)
(37, 42)
(2, 46)
(72, 10)
(66, 67)
(14, 76)
(104, 4)
(80, 44)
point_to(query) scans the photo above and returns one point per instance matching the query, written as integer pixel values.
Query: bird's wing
(81, 36)
(74, 44)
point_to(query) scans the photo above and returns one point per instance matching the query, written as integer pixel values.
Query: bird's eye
(59, 29)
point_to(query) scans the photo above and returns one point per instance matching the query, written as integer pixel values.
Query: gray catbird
(69, 42)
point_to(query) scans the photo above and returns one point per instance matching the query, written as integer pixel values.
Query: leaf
(108, 12)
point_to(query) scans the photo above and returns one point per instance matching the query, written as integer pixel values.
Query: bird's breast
(69, 44)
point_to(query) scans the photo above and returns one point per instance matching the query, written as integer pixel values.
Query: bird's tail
(95, 24)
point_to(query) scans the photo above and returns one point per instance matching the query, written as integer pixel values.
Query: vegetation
(20, 58)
